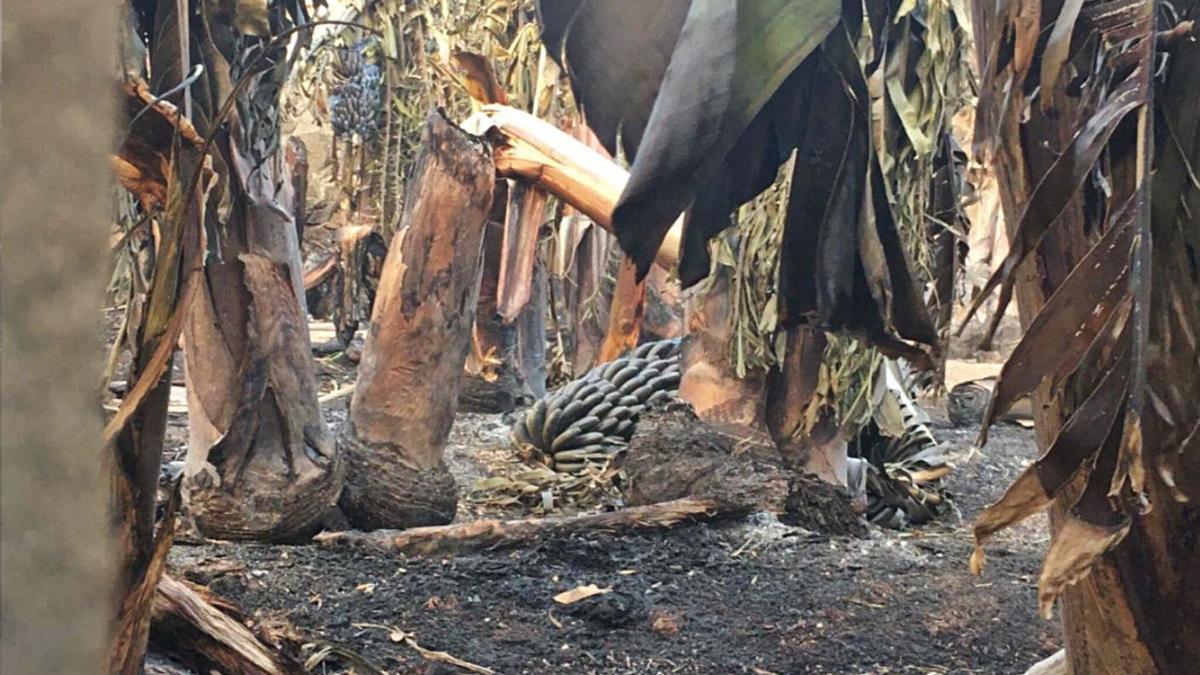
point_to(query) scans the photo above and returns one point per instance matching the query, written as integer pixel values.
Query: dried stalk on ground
(489, 534)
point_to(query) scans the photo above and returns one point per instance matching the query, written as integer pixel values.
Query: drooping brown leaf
(143, 158)
(1075, 548)
(841, 264)
(1129, 461)
(480, 78)
(1056, 190)
(1093, 526)
(1079, 439)
(1070, 320)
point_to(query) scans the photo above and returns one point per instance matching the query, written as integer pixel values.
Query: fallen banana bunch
(968, 401)
(899, 462)
(591, 419)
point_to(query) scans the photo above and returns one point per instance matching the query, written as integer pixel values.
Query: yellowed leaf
(1075, 548)
(580, 593)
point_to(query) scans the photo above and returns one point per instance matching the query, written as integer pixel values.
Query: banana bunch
(900, 464)
(355, 102)
(591, 419)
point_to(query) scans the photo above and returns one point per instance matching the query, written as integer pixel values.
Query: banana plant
(707, 99)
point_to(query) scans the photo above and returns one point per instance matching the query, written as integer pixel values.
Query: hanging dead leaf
(479, 78)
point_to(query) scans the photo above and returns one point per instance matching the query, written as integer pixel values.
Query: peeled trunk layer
(261, 463)
(625, 314)
(709, 381)
(407, 392)
(505, 365)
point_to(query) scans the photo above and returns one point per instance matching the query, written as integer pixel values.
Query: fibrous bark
(710, 381)
(261, 463)
(407, 391)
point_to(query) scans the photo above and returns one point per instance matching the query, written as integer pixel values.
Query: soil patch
(753, 595)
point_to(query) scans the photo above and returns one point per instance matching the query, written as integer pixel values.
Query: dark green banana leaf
(709, 98)
(617, 63)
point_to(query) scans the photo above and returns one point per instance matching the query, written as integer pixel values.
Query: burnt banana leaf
(727, 60)
(616, 60)
(1112, 353)
(1071, 319)
(708, 99)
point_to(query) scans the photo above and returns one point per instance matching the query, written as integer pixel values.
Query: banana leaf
(709, 99)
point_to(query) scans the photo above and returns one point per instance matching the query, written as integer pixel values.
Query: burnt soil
(748, 595)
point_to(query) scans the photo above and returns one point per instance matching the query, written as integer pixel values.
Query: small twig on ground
(398, 635)
(341, 392)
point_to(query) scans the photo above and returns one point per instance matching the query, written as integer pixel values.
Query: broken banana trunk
(406, 396)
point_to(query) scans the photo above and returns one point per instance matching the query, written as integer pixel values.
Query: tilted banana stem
(537, 151)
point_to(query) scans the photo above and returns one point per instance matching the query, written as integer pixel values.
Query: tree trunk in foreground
(58, 552)
(166, 167)
(261, 463)
(408, 381)
(1137, 612)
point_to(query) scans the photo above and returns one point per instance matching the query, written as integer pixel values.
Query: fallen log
(522, 224)
(492, 533)
(412, 363)
(204, 632)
